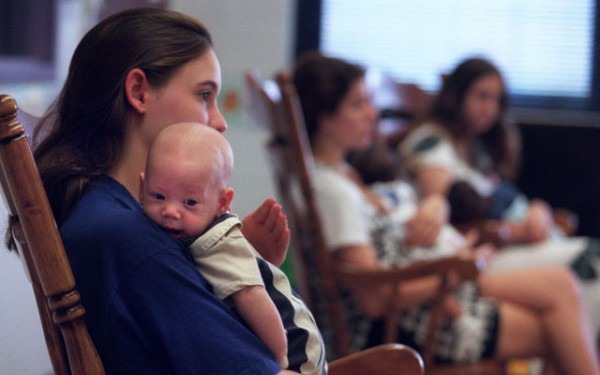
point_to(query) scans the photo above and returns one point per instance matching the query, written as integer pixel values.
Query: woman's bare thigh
(536, 289)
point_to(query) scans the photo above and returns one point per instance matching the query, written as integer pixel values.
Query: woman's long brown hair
(85, 126)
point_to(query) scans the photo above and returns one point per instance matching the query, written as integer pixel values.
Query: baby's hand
(267, 230)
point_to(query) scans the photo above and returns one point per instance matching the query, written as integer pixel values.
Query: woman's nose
(372, 114)
(217, 121)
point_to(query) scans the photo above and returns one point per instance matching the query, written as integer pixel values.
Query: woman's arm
(258, 310)
(535, 227)
(165, 290)
(267, 230)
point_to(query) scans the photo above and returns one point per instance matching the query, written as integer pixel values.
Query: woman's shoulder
(329, 181)
(105, 205)
(108, 220)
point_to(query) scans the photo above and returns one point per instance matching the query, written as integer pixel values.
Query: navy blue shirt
(148, 310)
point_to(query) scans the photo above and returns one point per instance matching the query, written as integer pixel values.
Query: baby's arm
(258, 310)
(228, 263)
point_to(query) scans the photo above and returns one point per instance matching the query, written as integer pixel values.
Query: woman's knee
(563, 283)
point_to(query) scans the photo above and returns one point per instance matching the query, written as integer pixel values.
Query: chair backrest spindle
(38, 241)
(293, 165)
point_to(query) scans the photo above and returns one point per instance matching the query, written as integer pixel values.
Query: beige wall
(251, 34)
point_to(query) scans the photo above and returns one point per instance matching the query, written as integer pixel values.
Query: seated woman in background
(468, 151)
(468, 141)
(512, 314)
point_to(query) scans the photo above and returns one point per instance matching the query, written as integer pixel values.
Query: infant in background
(401, 202)
(379, 170)
(398, 202)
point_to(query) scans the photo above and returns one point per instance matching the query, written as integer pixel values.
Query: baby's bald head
(189, 142)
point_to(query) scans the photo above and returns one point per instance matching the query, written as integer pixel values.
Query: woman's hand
(425, 226)
(482, 253)
(267, 230)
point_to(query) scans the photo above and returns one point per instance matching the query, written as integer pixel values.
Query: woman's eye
(205, 95)
(190, 202)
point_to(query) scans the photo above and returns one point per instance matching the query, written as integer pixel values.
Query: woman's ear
(225, 201)
(136, 89)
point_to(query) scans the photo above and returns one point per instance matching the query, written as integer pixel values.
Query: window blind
(543, 47)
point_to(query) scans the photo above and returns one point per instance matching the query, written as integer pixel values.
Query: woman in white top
(469, 139)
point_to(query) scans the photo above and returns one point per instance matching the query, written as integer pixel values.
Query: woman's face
(352, 126)
(481, 106)
(189, 96)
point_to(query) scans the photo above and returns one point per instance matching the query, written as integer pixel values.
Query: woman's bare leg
(522, 336)
(541, 315)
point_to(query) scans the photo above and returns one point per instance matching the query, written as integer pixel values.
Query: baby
(379, 169)
(185, 189)
(398, 203)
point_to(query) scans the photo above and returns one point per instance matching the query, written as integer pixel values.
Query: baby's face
(180, 200)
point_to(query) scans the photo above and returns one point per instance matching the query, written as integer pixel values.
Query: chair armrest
(466, 267)
(386, 359)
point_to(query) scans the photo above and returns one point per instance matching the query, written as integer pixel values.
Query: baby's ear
(225, 201)
(141, 197)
